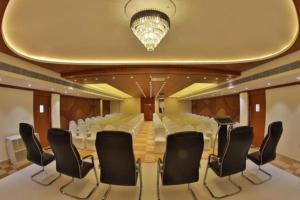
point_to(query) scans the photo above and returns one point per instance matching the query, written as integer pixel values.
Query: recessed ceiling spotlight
(113, 77)
(269, 83)
(298, 78)
(204, 78)
(131, 77)
(75, 80)
(85, 79)
(227, 79)
(187, 77)
(29, 85)
(70, 88)
(168, 77)
(230, 87)
(217, 78)
(96, 78)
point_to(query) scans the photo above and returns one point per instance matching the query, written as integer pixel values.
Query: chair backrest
(116, 157)
(235, 153)
(32, 144)
(269, 145)
(68, 160)
(182, 158)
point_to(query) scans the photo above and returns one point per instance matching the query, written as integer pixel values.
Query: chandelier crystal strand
(150, 27)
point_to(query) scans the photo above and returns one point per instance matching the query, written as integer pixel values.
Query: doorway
(148, 112)
(147, 107)
(257, 115)
(42, 115)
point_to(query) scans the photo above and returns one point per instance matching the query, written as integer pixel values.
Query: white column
(244, 108)
(55, 110)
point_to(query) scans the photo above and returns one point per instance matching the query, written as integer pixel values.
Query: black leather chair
(68, 161)
(267, 151)
(233, 159)
(35, 152)
(117, 163)
(181, 161)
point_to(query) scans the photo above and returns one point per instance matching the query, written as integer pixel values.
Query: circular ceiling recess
(98, 31)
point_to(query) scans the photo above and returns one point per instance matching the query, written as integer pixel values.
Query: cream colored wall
(244, 108)
(174, 106)
(114, 106)
(55, 110)
(130, 106)
(15, 106)
(283, 104)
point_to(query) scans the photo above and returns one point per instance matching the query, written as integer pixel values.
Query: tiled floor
(144, 149)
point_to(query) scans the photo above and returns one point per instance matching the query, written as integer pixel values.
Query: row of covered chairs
(180, 164)
(84, 132)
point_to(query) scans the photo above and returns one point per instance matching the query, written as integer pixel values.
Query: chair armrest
(160, 165)
(214, 156)
(46, 148)
(138, 165)
(89, 156)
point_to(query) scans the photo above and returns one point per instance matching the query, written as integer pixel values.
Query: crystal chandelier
(150, 27)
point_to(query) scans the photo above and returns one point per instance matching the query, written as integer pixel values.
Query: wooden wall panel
(148, 108)
(74, 108)
(219, 106)
(105, 107)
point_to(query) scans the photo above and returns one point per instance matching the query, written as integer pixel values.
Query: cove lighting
(193, 89)
(109, 90)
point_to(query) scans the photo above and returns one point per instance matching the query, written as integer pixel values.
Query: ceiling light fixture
(150, 27)
(298, 78)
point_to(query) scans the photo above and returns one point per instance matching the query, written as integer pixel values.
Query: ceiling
(104, 50)
(202, 32)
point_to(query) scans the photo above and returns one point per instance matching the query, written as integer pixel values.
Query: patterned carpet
(144, 149)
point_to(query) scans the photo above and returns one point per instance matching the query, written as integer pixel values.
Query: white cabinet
(16, 149)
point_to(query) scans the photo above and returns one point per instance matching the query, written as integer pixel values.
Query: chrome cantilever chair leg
(157, 181)
(106, 192)
(192, 192)
(223, 196)
(41, 183)
(141, 184)
(141, 181)
(261, 182)
(61, 189)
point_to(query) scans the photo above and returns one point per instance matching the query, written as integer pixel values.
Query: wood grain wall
(218, 106)
(74, 108)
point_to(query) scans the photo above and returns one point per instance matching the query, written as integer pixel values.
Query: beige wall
(114, 106)
(15, 106)
(284, 104)
(130, 106)
(174, 106)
